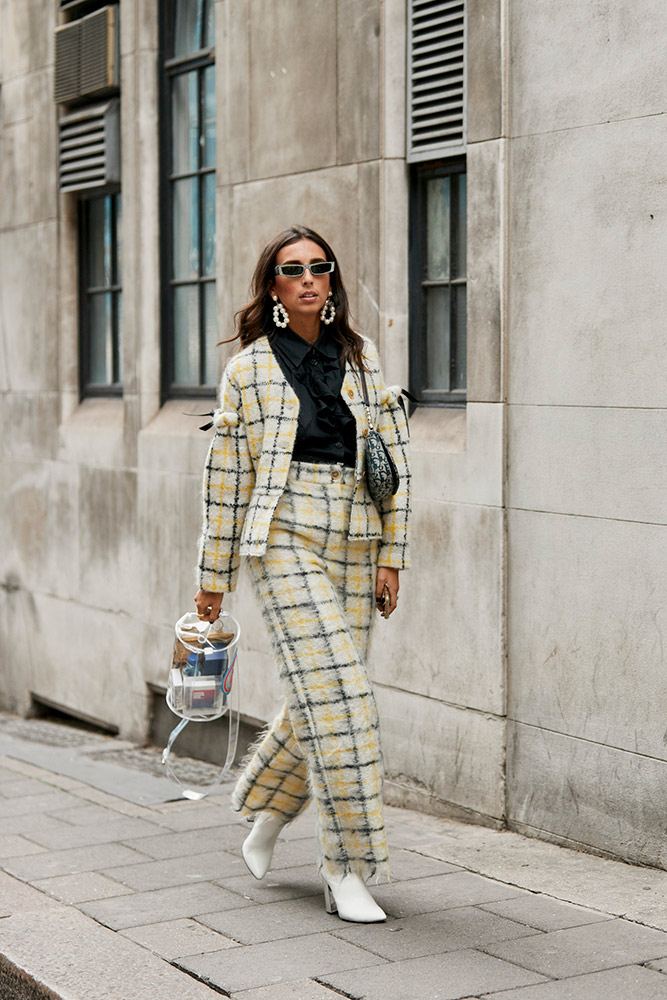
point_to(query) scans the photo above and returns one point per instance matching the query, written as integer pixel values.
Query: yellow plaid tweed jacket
(250, 454)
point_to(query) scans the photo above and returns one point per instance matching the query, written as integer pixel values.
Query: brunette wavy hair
(255, 319)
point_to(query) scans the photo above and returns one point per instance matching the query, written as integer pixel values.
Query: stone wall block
(586, 253)
(26, 39)
(28, 321)
(94, 434)
(484, 266)
(159, 524)
(325, 200)
(358, 99)
(369, 243)
(233, 95)
(292, 86)
(596, 461)
(31, 425)
(445, 639)
(40, 553)
(394, 42)
(462, 767)
(91, 660)
(393, 251)
(457, 455)
(485, 71)
(608, 63)
(586, 793)
(111, 558)
(172, 441)
(588, 628)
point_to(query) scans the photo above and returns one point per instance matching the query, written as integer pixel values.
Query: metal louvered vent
(87, 56)
(436, 78)
(89, 148)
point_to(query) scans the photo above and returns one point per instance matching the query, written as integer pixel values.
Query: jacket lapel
(351, 393)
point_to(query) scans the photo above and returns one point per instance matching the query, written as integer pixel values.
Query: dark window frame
(420, 173)
(169, 68)
(86, 387)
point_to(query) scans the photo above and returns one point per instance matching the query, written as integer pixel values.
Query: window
(188, 198)
(438, 284)
(100, 276)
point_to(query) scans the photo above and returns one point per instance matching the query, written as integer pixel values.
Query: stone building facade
(523, 680)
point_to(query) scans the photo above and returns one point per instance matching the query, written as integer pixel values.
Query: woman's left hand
(387, 577)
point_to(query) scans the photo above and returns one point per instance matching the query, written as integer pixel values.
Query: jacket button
(350, 393)
(335, 474)
(365, 432)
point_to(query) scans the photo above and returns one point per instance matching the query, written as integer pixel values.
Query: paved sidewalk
(105, 898)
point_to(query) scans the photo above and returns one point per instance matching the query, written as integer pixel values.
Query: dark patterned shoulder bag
(382, 477)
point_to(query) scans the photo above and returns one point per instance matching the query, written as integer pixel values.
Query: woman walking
(284, 485)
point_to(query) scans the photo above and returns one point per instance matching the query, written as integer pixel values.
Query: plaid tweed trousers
(316, 588)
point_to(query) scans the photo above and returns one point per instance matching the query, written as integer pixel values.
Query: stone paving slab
(544, 913)
(121, 828)
(177, 938)
(303, 989)
(79, 960)
(433, 933)
(163, 904)
(14, 846)
(287, 919)
(175, 871)
(630, 983)
(44, 802)
(659, 964)
(23, 786)
(16, 897)
(71, 761)
(175, 845)
(610, 886)
(440, 892)
(280, 961)
(25, 824)
(78, 859)
(81, 888)
(455, 975)
(196, 819)
(286, 883)
(89, 813)
(578, 950)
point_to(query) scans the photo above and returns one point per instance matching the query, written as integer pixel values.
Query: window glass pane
(437, 337)
(460, 228)
(185, 206)
(211, 335)
(437, 228)
(208, 125)
(186, 335)
(118, 266)
(100, 221)
(100, 339)
(459, 338)
(185, 124)
(208, 218)
(187, 26)
(209, 22)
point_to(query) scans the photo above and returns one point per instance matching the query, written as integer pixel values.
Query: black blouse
(327, 429)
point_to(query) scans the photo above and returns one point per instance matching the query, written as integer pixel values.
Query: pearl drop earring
(280, 314)
(328, 313)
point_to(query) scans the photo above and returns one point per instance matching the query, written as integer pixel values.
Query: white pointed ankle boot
(350, 898)
(258, 846)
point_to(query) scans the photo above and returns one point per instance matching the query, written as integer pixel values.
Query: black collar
(296, 349)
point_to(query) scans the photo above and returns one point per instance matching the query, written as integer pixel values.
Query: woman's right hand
(208, 605)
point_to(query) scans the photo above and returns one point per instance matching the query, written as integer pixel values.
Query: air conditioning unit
(89, 148)
(87, 56)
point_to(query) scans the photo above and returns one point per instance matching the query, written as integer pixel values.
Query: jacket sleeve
(229, 478)
(395, 511)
